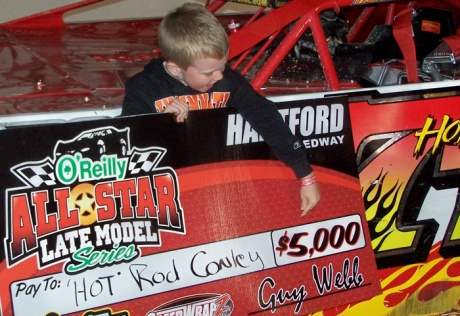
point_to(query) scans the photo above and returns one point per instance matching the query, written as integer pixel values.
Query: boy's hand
(179, 109)
(310, 196)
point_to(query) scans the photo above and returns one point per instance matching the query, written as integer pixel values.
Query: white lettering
(307, 119)
(322, 122)
(293, 119)
(250, 135)
(323, 141)
(336, 118)
(317, 120)
(234, 129)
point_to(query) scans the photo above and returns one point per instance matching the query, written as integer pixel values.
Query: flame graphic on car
(430, 288)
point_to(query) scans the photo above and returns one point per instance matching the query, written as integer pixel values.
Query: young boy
(193, 75)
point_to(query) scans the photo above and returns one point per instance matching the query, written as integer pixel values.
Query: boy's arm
(309, 193)
(264, 117)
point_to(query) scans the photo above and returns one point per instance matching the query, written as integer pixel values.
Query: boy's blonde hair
(191, 32)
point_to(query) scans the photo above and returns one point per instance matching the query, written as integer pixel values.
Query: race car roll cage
(306, 14)
(256, 30)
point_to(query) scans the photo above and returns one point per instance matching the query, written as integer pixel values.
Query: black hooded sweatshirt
(151, 90)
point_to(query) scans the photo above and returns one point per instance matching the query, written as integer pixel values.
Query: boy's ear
(173, 68)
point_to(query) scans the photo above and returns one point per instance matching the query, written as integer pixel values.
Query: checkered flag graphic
(36, 175)
(145, 160)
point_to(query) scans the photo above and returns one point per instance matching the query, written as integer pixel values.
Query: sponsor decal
(194, 305)
(94, 204)
(431, 26)
(447, 134)
(322, 124)
(407, 199)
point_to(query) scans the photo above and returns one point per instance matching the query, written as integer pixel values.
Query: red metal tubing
(311, 19)
(256, 15)
(260, 52)
(323, 53)
(215, 5)
(267, 25)
(390, 17)
(245, 54)
(240, 59)
(359, 23)
(48, 19)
